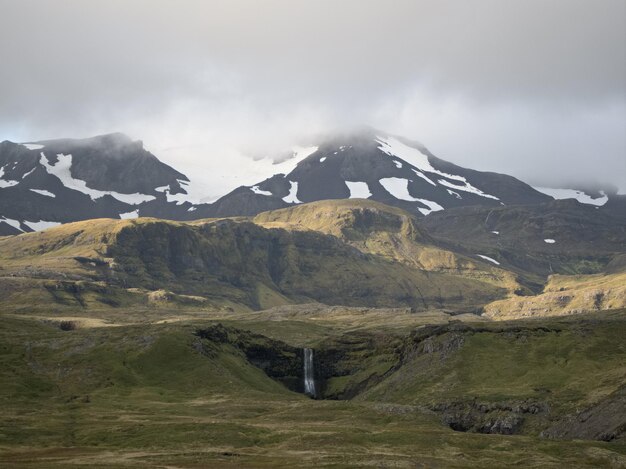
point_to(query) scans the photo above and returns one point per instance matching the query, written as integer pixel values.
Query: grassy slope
(152, 395)
(568, 363)
(107, 263)
(389, 232)
(565, 294)
(219, 264)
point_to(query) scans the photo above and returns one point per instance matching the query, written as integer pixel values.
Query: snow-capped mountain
(374, 165)
(50, 182)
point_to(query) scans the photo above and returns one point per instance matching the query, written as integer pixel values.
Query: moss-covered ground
(156, 395)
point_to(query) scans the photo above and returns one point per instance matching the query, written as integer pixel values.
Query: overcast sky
(533, 88)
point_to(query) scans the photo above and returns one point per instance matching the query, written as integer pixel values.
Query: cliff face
(239, 260)
(233, 262)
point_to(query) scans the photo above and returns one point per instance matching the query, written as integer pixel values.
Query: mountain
(562, 236)
(243, 264)
(435, 301)
(338, 252)
(50, 182)
(374, 165)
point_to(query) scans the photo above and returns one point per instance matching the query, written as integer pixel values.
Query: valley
(155, 343)
(330, 235)
(396, 389)
(450, 318)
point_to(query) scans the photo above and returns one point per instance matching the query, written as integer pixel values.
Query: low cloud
(531, 88)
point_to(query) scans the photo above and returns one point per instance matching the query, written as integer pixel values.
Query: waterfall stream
(309, 379)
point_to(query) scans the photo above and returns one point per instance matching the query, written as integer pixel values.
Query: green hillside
(199, 394)
(220, 263)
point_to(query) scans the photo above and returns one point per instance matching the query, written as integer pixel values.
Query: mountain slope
(50, 182)
(562, 236)
(58, 181)
(388, 169)
(564, 295)
(225, 262)
(389, 232)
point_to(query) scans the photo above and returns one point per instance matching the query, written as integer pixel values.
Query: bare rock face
(504, 418)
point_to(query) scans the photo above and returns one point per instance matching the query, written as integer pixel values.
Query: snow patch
(488, 259)
(399, 188)
(32, 146)
(129, 215)
(467, 187)
(559, 194)
(62, 171)
(496, 232)
(43, 192)
(288, 165)
(393, 147)
(424, 177)
(549, 241)
(41, 225)
(456, 194)
(358, 190)
(29, 173)
(256, 190)
(192, 209)
(14, 223)
(292, 197)
(322, 159)
(195, 193)
(432, 206)
(6, 183)
(397, 163)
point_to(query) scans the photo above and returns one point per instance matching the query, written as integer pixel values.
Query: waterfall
(309, 379)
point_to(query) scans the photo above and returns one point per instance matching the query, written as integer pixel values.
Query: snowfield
(41, 225)
(256, 190)
(14, 223)
(424, 177)
(195, 193)
(128, 215)
(399, 188)
(33, 146)
(6, 182)
(292, 197)
(288, 165)
(62, 171)
(358, 190)
(467, 187)
(559, 194)
(393, 147)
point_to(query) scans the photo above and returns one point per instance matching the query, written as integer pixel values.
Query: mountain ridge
(55, 181)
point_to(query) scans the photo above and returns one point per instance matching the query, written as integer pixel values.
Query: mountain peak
(109, 142)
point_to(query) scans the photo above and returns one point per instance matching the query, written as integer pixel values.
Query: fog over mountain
(530, 88)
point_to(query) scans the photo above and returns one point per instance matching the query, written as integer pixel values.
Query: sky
(532, 88)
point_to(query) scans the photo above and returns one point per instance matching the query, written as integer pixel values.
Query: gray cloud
(534, 88)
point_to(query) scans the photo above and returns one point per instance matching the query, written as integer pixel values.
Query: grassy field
(152, 393)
